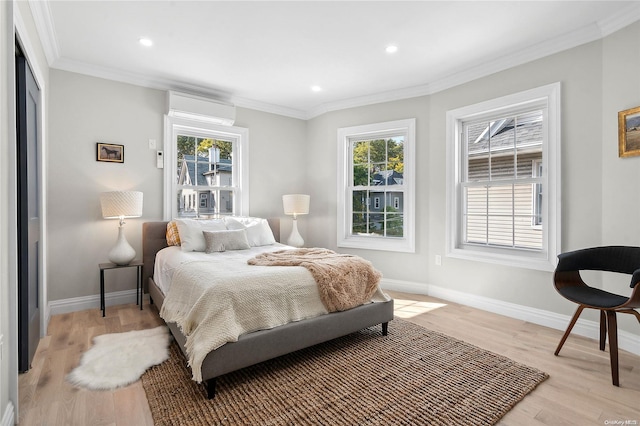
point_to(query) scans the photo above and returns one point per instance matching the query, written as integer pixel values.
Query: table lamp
(295, 204)
(120, 205)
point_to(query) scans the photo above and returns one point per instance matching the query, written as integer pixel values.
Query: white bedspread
(217, 300)
(170, 258)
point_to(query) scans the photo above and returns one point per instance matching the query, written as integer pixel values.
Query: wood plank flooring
(578, 391)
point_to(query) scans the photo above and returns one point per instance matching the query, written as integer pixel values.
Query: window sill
(526, 260)
(378, 243)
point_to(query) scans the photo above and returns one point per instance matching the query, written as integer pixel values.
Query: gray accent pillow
(217, 241)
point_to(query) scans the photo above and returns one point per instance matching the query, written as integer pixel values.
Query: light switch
(152, 144)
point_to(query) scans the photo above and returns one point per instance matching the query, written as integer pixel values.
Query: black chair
(569, 284)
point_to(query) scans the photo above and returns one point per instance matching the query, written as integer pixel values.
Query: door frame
(29, 52)
(18, 32)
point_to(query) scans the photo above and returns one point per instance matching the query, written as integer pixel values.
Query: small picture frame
(629, 132)
(110, 152)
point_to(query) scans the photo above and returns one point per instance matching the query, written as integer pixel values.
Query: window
(376, 186)
(204, 173)
(503, 180)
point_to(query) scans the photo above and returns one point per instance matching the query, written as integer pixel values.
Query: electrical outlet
(438, 260)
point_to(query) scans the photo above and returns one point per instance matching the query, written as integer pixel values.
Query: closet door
(27, 99)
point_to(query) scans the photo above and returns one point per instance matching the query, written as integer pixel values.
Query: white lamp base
(122, 253)
(295, 239)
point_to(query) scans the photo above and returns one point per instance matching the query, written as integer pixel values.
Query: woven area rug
(413, 376)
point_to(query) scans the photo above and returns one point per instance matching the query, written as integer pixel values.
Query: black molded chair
(569, 284)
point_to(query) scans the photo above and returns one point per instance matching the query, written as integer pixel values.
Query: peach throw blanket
(344, 281)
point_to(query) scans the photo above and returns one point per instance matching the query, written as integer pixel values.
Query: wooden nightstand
(139, 292)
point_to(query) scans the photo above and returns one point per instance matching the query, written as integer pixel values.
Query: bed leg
(385, 328)
(210, 385)
(150, 300)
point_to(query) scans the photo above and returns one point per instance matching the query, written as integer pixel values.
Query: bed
(262, 345)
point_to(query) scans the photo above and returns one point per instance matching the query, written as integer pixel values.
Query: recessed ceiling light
(316, 89)
(146, 41)
(391, 49)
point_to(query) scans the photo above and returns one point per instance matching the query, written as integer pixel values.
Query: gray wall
(290, 155)
(85, 110)
(600, 198)
(600, 192)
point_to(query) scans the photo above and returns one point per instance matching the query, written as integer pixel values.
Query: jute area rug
(413, 376)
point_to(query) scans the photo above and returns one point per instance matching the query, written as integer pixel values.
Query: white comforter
(216, 300)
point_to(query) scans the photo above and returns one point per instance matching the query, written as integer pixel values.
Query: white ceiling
(267, 54)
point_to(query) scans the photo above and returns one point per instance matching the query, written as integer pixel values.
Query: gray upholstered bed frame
(259, 346)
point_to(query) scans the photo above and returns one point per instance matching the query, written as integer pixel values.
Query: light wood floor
(578, 391)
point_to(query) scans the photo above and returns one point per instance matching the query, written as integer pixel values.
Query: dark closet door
(27, 99)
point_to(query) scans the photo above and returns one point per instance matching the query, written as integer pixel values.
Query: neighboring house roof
(500, 134)
(189, 162)
(387, 177)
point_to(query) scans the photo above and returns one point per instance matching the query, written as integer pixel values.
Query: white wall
(600, 192)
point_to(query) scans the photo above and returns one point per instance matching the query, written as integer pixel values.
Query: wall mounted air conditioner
(198, 108)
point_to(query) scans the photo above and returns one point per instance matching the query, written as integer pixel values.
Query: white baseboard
(627, 341)
(591, 329)
(74, 304)
(9, 417)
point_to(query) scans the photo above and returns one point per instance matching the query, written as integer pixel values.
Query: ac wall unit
(198, 108)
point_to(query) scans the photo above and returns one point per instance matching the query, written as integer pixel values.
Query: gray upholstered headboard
(154, 239)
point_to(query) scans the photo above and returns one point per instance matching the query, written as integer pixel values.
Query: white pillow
(190, 230)
(217, 241)
(258, 230)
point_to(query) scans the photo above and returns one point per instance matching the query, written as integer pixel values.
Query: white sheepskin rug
(118, 359)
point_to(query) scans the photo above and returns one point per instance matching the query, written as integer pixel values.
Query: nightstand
(134, 264)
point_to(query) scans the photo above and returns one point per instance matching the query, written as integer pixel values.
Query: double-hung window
(205, 169)
(503, 180)
(376, 186)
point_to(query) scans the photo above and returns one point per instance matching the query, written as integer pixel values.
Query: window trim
(549, 98)
(344, 206)
(173, 126)
(536, 166)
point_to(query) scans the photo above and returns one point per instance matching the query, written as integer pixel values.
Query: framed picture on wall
(629, 132)
(110, 152)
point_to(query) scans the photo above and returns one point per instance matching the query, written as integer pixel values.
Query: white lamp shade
(296, 204)
(119, 204)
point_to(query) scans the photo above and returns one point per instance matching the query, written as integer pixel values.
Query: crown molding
(46, 30)
(374, 98)
(269, 108)
(136, 79)
(624, 18)
(576, 38)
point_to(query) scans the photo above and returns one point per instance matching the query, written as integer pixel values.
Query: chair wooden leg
(613, 346)
(571, 324)
(603, 329)
(636, 313)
